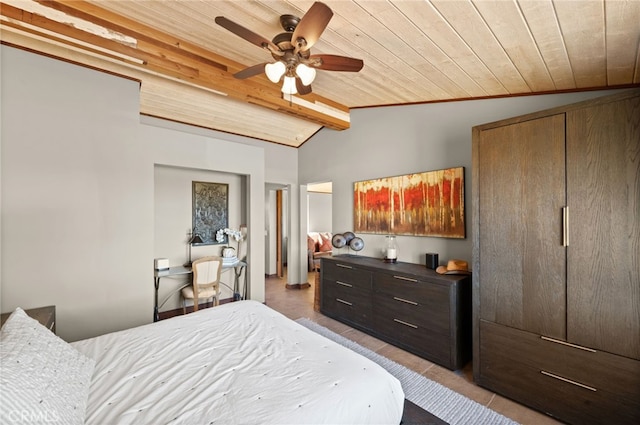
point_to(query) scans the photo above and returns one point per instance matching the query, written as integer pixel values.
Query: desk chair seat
(206, 282)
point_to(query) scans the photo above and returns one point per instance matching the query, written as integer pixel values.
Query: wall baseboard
(298, 285)
(178, 311)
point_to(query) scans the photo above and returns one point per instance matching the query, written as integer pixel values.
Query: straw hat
(454, 267)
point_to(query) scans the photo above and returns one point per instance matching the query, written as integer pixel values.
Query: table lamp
(193, 239)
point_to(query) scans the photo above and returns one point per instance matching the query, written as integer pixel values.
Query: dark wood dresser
(404, 304)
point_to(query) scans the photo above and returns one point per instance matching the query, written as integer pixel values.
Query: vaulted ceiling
(414, 51)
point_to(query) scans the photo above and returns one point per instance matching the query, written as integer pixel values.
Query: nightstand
(45, 315)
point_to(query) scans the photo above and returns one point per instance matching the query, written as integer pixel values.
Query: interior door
(280, 260)
(521, 196)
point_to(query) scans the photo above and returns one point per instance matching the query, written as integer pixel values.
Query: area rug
(446, 404)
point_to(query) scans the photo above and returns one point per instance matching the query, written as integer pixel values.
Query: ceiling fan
(291, 50)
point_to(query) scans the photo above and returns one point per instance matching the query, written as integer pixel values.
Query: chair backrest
(206, 271)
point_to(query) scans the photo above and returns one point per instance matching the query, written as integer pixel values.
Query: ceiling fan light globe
(306, 74)
(289, 85)
(274, 71)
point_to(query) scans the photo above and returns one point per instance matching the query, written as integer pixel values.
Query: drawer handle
(405, 301)
(567, 380)
(348, 285)
(406, 278)
(557, 341)
(343, 301)
(405, 323)
(344, 266)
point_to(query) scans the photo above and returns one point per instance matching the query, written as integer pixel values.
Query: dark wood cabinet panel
(522, 193)
(573, 383)
(404, 304)
(418, 339)
(603, 188)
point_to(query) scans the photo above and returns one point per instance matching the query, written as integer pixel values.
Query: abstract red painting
(422, 204)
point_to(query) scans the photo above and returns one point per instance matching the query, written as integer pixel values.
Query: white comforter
(239, 363)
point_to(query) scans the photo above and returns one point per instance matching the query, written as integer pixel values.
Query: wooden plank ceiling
(413, 52)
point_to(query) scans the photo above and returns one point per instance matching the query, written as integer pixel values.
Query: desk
(184, 271)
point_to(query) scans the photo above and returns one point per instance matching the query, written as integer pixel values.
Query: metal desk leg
(236, 281)
(236, 284)
(156, 316)
(244, 290)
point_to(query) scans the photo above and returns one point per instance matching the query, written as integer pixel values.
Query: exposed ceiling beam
(149, 49)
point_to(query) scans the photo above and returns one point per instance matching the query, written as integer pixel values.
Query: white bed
(238, 363)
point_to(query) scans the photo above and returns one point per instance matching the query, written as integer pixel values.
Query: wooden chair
(206, 282)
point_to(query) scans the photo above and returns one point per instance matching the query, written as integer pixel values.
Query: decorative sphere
(348, 236)
(356, 244)
(338, 241)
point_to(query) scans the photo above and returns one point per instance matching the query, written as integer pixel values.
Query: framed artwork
(422, 204)
(210, 210)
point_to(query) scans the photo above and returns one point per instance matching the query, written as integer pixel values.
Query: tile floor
(297, 303)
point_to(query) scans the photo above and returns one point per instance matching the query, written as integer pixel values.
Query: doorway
(276, 229)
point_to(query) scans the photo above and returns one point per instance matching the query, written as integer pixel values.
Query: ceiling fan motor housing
(291, 59)
(289, 22)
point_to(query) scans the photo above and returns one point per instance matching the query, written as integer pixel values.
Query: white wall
(319, 212)
(390, 141)
(77, 196)
(78, 193)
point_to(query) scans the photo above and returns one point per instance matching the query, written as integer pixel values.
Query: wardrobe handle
(568, 344)
(565, 226)
(552, 375)
(344, 266)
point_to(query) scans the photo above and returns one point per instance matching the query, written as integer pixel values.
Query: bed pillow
(43, 379)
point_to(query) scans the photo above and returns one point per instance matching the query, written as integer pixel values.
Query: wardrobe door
(521, 173)
(603, 183)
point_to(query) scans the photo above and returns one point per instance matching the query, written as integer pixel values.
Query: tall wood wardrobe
(556, 268)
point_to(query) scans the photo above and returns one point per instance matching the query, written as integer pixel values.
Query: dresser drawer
(418, 339)
(340, 289)
(574, 384)
(415, 310)
(406, 286)
(422, 303)
(347, 307)
(346, 274)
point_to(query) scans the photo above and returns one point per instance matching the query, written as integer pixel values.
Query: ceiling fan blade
(311, 26)
(247, 34)
(302, 89)
(250, 72)
(336, 63)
